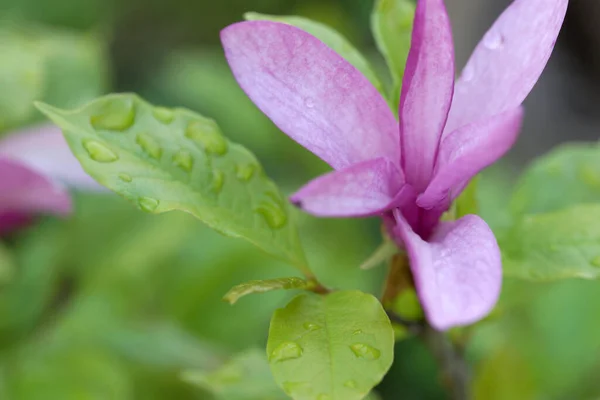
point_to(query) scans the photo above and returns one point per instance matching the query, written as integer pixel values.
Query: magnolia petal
(507, 63)
(23, 190)
(457, 272)
(364, 189)
(311, 93)
(44, 149)
(468, 150)
(426, 91)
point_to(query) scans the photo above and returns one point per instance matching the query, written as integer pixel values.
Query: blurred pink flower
(411, 173)
(35, 166)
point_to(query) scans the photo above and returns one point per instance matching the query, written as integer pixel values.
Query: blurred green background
(115, 304)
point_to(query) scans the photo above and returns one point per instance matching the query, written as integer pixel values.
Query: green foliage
(558, 245)
(261, 286)
(163, 160)
(331, 38)
(245, 377)
(391, 23)
(333, 347)
(58, 66)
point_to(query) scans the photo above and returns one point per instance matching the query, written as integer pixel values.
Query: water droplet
(117, 114)
(99, 152)
(297, 388)
(350, 384)
(468, 73)
(218, 179)
(244, 172)
(286, 351)
(272, 212)
(163, 115)
(357, 332)
(595, 261)
(148, 204)
(125, 177)
(183, 159)
(323, 396)
(206, 133)
(309, 102)
(493, 40)
(362, 350)
(149, 145)
(309, 326)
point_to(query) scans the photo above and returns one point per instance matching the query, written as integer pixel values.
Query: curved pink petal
(44, 149)
(457, 272)
(311, 93)
(13, 220)
(468, 150)
(23, 190)
(364, 189)
(508, 61)
(426, 91)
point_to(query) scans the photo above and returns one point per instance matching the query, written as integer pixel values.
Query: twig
(454, 368)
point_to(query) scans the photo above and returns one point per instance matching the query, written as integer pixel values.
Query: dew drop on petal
(365, 351)
(468, 73)
(493, 40)
(286, 351)
(99, 152)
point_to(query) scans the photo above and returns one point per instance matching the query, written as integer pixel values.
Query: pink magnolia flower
(34, 165)
(412, 171)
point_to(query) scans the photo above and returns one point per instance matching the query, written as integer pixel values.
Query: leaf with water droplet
(117, 114)
(244, 172)
(164, 115)
(330, 37)
(154, 154)
(349, 366)
(125, 177)
(99, 152)
(557, 245)
(261, 286)
(148, 204)
(245, 377)
(391, 23)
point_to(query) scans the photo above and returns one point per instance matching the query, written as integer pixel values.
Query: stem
(454, 368)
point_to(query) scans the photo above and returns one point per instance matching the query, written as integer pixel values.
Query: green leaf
(245, 377)
(391, 23)
(261, 286)
(330, 37)
(174, 159)
(7, 265)
(568, 175)
(467, 202)
(21, 78)
(558, 245)
(334, 347)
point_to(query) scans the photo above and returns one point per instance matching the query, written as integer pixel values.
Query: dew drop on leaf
(207, 135)
(183, 159)
(99, 152)
(149, 145)
(286, 351)
(244, 172)
(125, 177)
(365, 351)
(272, 213)
(218, 179)
(350, 384)
(148, 204)
(309, 326)
(116, 114)
(163, 115)
(297, 388)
